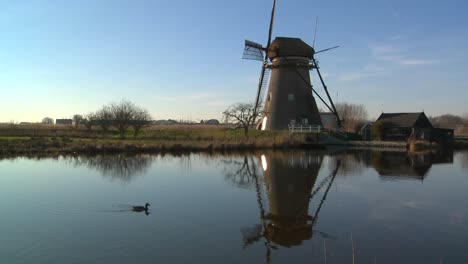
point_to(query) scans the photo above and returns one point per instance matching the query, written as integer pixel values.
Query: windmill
(287, 97)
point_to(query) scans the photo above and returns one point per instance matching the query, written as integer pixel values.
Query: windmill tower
(288, 99)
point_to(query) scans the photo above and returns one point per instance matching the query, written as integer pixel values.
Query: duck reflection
(289, 180)
(406, 165)
(121, 167)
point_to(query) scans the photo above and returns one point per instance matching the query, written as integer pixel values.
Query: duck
(140, 208)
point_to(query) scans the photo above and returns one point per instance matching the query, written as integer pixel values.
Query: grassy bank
(153, 142)
(168, 138)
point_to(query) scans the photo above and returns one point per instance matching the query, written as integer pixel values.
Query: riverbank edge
(56, 146)
(412, 147)
(84, 146)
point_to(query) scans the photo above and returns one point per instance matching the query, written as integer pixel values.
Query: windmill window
(269, 97)
(291, 97)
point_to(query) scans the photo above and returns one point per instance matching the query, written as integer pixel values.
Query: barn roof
(400, 119)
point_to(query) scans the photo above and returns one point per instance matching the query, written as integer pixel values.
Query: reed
(151, 143)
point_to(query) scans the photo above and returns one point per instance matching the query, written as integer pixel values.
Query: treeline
(455, 122)
(354, 116)
(121, 116)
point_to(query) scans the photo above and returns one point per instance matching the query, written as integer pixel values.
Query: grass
(161, 138)
(175, 138)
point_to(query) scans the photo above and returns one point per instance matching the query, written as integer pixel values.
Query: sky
(182, 59)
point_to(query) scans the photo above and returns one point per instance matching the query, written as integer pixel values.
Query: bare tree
(446, 121)
(122, 115)
(104, 118)
(465, 123)
(140, 119)
(89, 120)
(77, 120)
(354, 115)
(47, 121)
(241, 114)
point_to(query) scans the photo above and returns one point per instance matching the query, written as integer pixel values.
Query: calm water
(267, 207)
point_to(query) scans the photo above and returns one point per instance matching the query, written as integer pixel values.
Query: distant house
(63, 122)
(405, 126)
(210, 122)
(366, 131)
(165, 122)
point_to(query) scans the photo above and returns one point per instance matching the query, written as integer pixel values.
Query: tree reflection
(121, 167)
(240, 171)
(352, 162)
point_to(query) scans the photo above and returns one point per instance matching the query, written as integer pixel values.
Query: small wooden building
(64, 122)
(407, 126)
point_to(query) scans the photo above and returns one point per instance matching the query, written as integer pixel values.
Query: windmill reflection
(289, 182)
(121, 167)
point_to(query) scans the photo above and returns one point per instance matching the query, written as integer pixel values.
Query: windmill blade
(315, 31)
(338, 120)
(265, 61)
(326, 49)
(272, 20)
(251, 234)
(262, 87)
(253, 51)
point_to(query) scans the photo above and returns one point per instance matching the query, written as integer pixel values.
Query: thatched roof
(289, 47)
(404, 120)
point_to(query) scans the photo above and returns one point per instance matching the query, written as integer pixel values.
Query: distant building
(366, 131)
(165, 122)
(405, 126)
(63, 122)
(210, 122)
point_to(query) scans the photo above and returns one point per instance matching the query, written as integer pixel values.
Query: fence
(304, 129)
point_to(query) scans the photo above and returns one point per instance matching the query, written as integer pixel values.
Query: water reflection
(404, 165)
(120, 167)
(464, 160)
(240, 171)
(352, 162)
(289, 181)
(286, 183)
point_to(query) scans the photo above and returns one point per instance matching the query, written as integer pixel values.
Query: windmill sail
(264, 87)
(253, 51)
(265, 60)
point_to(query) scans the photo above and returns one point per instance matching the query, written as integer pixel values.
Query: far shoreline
(24, 146)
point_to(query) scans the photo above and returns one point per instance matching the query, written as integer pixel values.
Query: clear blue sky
(182, 59)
